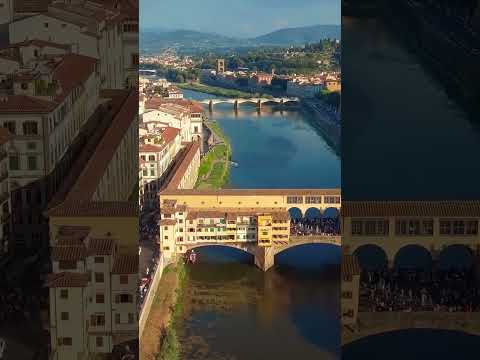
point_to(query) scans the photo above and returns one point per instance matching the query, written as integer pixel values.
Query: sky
(239, 18)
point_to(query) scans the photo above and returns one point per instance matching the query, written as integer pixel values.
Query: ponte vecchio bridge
(257, 101)
(256, 221)
(407, 234)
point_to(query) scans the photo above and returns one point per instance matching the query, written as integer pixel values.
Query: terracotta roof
(30, 6)
(69, 253)
(181, 166)
(5, 135)
(164, 222)
(410, 208)
(74, 230)
(125, 264)
(87, 183)
(103, 246)
(41, 44)
(150, 148)
(189, 105)
(349, 266)
(25, 104)
(67, 279)
(253, 192)
(169, 134)
(107, 111)
(95, 209)
(71, 72)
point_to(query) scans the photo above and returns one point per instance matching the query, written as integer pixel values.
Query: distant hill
(152, 40)
(160, 39)
(300, 35)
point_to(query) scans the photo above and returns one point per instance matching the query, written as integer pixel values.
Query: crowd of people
(325, 226)
(419, 290)
(149, 239)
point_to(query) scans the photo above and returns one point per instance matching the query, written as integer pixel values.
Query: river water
(232, 310)
(275, 149)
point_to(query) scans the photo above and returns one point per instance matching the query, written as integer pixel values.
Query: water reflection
(401, 130)
(232, 310)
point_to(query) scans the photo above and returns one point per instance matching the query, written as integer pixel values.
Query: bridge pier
(210, 105)
(264, 257)
(235, 105)
(259, 105)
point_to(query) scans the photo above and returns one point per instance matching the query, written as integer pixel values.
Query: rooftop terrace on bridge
(251, 192)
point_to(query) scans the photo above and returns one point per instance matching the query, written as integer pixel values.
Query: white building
(156, 155)
(303, 89)
(88, 29)
(92, 294)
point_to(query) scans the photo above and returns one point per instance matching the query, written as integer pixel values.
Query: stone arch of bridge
(245, 248)
(371, 256)
(330, 241)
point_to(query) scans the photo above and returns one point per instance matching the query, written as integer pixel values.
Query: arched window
(30, 128)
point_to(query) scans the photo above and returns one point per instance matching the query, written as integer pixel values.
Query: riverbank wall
(327, 126)
(145, 312)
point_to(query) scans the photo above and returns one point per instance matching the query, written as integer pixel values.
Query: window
(99, 278)
(124, 279)
(313, 199)
(332, 199)
(151, 158)
(117, 318)
(445, 227)
(98, 319)
(459, 227)
(24, 86)
(64, 293)
(64, 316)
(356, 227)
(11, 126)
(14, 162)
(65, 341)
(31, 146)
(123, 298)
(99, 341)
(472, 227)
(294, 199)
(99, 260)
(30, 128)
(67, 265)
(100, 298)
(32, 163)
(130, 318)
(45, 25)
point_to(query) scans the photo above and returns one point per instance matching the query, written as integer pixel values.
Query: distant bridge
(259, 101)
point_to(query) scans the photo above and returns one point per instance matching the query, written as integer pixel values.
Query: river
(232, 310)
(274, 149)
